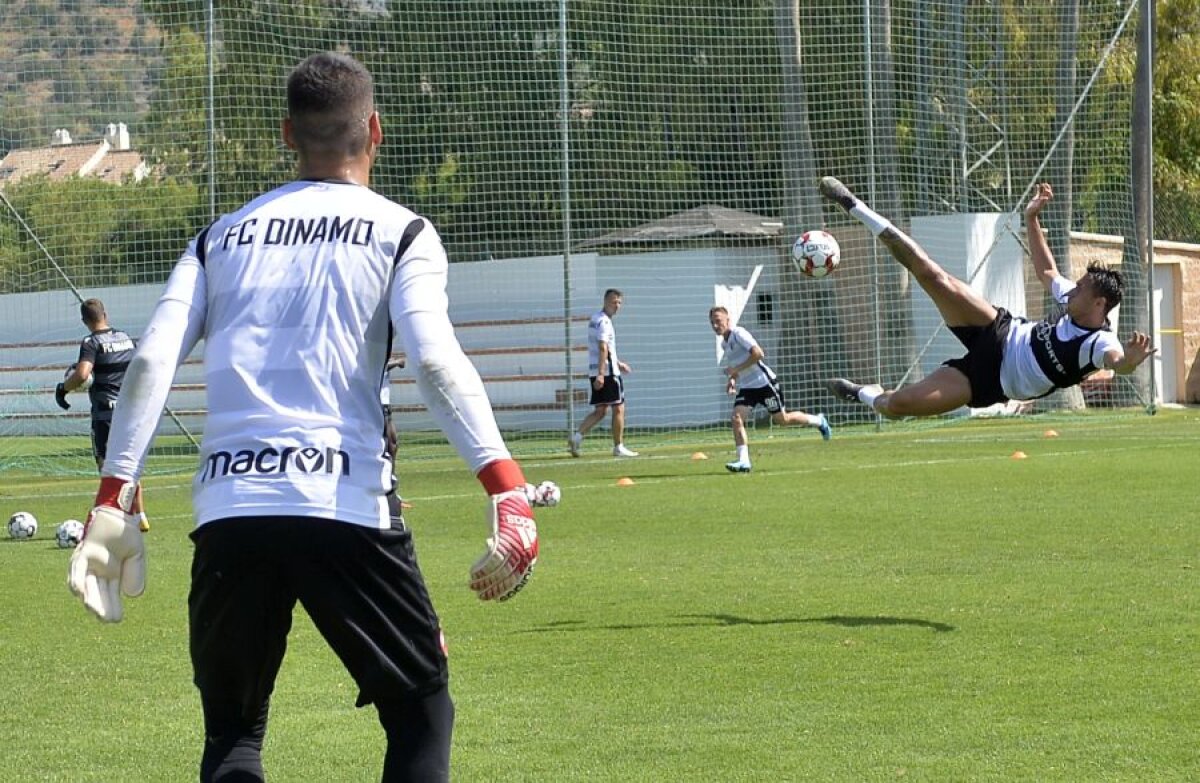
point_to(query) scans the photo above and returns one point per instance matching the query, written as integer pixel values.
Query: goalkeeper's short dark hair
(1107, 282)
(92, 311)
(330, 96)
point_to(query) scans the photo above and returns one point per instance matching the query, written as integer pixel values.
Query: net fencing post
(564, 110)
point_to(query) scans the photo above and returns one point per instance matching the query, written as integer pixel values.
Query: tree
(1177, 121)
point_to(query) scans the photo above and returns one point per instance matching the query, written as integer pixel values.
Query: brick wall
(1170, 258)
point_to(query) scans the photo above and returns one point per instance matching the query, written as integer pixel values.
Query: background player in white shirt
(1007, 357)
(297, 296)
(754, 383)
(605, 370)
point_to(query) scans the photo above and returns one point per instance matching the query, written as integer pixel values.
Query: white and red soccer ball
(545, 494)
(816, 253)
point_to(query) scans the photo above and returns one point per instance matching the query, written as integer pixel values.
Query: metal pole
(1146, 52)
(210, 38)
(958, 31)
(564, 110)
(869, 63)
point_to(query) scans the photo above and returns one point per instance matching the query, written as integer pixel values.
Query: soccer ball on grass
(22, 525)
(816, 253)
(69, 534)
(545, 494)
(548, 493)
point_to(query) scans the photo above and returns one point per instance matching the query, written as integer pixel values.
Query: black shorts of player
(985, 352)
(361, 586)
(769, 396)
(100, 430)
(611, 393)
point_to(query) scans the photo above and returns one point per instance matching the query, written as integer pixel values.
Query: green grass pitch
(907, 605)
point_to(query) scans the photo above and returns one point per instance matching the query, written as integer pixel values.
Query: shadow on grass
(714, 620)
(846, 621)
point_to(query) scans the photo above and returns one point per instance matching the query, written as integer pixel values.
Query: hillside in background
(74, 64)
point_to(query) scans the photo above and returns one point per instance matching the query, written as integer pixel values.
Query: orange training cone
(1019, 455)
(625, 481)
(696, 455)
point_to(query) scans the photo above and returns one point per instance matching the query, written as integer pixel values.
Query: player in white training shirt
(605, 378)
(298, 297)
(754, 383)
(1007, 357)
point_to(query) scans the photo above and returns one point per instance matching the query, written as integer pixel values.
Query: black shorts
(769, 396)
(361, 587)
(100, 430)
(985, 353)
(611, 393)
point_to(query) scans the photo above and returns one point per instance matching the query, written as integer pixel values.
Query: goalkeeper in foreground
(1008, 357)
(296, 296)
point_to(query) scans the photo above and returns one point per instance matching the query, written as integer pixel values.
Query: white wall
(662, 332)
(960, 244)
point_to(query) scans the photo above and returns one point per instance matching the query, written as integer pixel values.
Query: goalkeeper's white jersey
(297, 296)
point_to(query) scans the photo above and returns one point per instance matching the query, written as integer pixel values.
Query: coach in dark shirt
(103, 356)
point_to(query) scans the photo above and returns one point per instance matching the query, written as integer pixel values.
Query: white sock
(743, 453)
(868, 394)
(870, 218)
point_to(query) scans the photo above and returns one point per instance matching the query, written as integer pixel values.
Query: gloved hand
(60, 397)
(512, 549)
(111, 558)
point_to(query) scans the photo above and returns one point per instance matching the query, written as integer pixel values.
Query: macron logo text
(271, 461)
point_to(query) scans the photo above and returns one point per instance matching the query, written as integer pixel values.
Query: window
(764, 307)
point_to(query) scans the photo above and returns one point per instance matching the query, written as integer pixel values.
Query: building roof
(60, 161)
(119, 164)
(708, 220)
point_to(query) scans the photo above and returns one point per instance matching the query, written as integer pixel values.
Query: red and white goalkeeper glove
(111, 558)
(512, 548)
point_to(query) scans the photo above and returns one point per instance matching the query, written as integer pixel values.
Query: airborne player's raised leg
(958, 304)
(947, 387)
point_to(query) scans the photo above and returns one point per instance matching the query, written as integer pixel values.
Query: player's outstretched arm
(1039, 248)
(1137, 349)
(454, 394)
(457, 400)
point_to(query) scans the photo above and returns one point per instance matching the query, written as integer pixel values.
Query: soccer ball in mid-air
(816, 253)
(69, 534)
(22, 525)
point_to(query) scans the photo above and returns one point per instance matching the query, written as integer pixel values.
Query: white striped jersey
(600, 330)
(297, 296)
(1020, 375)
(737, 345)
